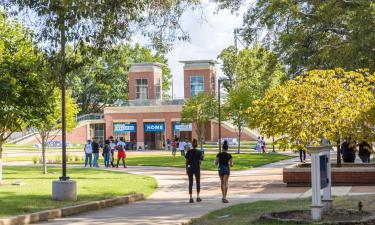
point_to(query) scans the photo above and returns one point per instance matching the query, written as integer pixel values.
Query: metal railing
(91, 116)
(150, 102)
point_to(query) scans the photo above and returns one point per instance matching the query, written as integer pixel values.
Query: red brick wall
(344, 178)
(77, 135)
(151, 79)
(207, 73)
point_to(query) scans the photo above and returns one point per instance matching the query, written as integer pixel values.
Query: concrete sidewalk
(169, 204)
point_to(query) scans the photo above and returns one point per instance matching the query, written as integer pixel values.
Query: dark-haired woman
(106, 153)
(193, 163)
(224, 161)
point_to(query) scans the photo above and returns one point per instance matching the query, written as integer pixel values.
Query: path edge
(70, 210)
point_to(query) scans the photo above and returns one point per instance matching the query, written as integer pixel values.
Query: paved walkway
(169, 204)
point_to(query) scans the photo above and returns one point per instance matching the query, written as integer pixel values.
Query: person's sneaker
(191, 200)
(225, 201)
(125, 167)
(199, 199)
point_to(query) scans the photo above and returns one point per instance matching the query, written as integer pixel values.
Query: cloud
(208, 36)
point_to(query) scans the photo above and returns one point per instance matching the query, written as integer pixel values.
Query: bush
(58, 159)
(77, 158)
(35, 159)
(70, 158)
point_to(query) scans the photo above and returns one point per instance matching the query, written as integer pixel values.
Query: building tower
(199, 76)
(145, 81)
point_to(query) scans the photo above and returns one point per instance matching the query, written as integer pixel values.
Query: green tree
(46, 130)
(249, 72)
(313, 34)
(329, 104)
(100, 23)
(199, 110)
(256, 68)
(235, 109)
(23, 98)
(104, 79)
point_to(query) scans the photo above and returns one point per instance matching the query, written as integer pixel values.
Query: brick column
(168, 130)
(108, 126)
(140, 134)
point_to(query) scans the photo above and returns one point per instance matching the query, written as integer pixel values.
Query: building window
(157, 89)
(196, 85)
(141, 89)
(97, 130)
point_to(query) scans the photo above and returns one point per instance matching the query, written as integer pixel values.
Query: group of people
(349, 148)
(261, 145)
(193, 162)
(93, 148)
(183, 145)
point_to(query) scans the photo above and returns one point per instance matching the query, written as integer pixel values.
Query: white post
(316, 206)
(327, 193)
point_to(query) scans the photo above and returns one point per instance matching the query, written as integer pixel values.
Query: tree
(199, 110)
(256, 68)
(329, 104)
(22, 89)
(313, 34)
(235, 109)
(48, 129)
(100, 23)
(104, 79)
(250, 73)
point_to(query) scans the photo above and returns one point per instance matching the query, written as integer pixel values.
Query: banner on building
(154, 127)
(121, 127)
(182, 127)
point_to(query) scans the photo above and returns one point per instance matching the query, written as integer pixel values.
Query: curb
(70, 210)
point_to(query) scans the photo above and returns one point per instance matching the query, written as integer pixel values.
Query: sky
(208, 37)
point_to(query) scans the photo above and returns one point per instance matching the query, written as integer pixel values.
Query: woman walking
(193, 163)
(224, 161)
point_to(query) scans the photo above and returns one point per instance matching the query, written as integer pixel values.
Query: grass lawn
(248, 213)
(241, 161)
(92, 185)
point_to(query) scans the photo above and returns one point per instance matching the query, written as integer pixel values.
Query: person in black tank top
(224, 162)
(193, 163)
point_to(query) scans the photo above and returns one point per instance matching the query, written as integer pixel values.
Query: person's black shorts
(224, 170)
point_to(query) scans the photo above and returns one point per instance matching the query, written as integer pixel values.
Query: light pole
(219, 114)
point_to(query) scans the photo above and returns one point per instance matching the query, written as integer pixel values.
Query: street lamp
(218, 93)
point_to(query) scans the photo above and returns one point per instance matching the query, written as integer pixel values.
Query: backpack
(88, 148)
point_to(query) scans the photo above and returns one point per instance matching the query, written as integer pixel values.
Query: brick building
(147, 120)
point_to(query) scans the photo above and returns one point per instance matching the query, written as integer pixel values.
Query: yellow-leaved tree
(321, 104)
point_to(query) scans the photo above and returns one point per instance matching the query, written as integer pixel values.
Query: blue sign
(154, 127)
(182, 127)
(120, 127)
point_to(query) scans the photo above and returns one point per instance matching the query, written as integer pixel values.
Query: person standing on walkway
(106, 153)
(168, 144)
(365, 151)
(259, 144)
(193, 163)
(121, 154)
(224, 162)
(88, 153)
(95, 151)
(263, 145)
(182, 147)
(302, 151)
(112, 146)
(174, 147)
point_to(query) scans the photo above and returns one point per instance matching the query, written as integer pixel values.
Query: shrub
(35, 159)
(58, 159)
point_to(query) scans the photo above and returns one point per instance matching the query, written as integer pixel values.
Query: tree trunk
(44, 154)
(1, 162)
(239, 140)
(338, 154)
